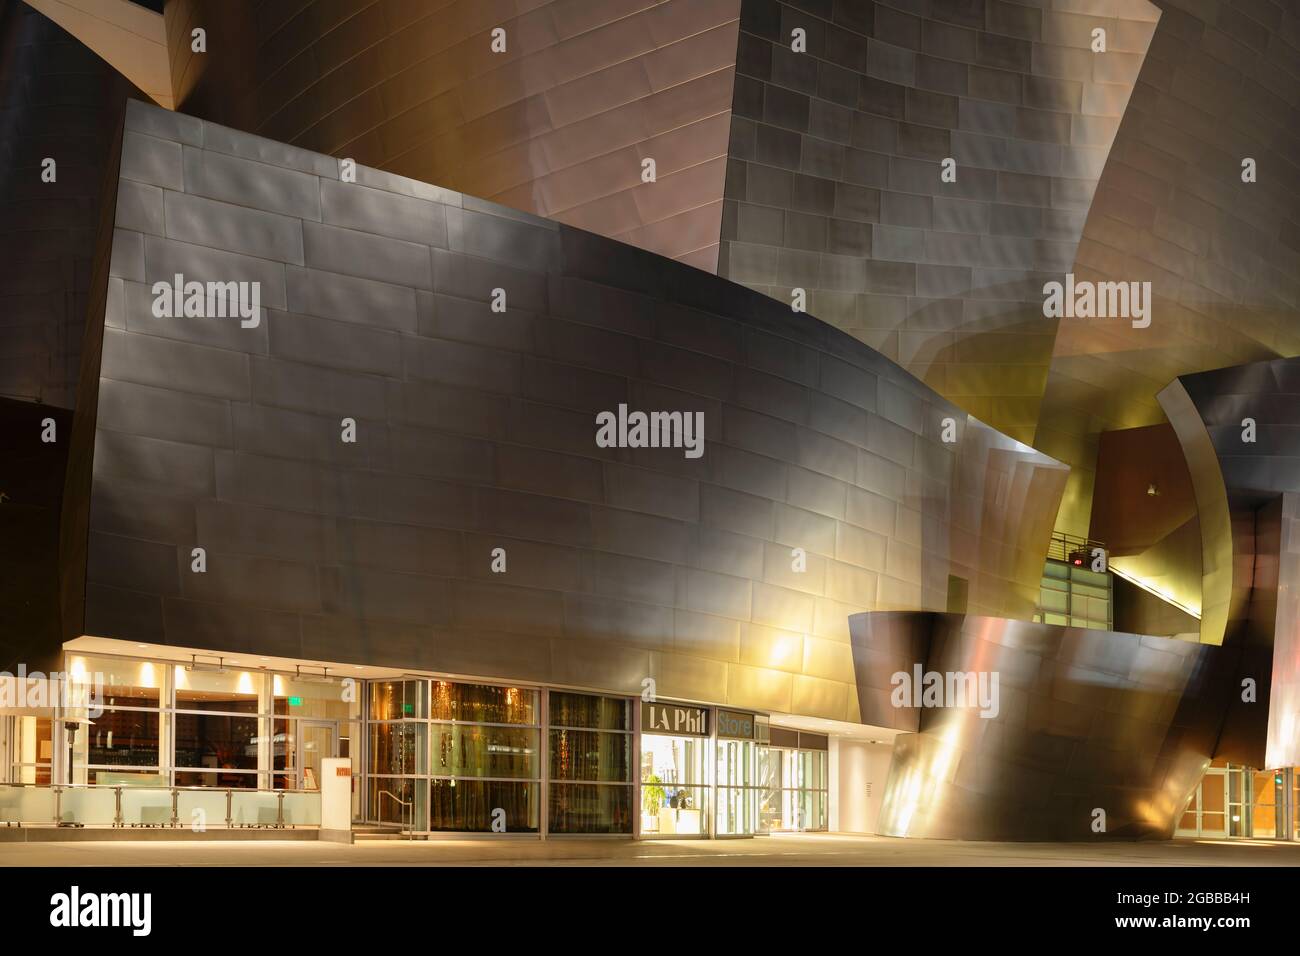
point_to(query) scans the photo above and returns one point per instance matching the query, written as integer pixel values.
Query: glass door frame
(300, 745)
(1217, 778)
(749, 792)
(707, 785)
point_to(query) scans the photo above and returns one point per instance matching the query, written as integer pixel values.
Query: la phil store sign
(686, 721)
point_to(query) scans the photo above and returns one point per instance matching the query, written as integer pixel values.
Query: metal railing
(117, 806)
(408, 812)
(1065, 547)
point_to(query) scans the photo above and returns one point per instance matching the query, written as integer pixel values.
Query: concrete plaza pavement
(780, 850)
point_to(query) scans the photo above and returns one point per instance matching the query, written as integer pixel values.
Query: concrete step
(367, 834)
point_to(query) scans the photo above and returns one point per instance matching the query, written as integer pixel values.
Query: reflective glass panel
(588, 808)
(216, 741)
(470, 750)
(590, 755)
(394, 700)
(586, 710)
(398, 748)
(482, 703)
(471, 805)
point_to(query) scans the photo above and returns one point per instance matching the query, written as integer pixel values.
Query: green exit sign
(295, 701)
(408, 708)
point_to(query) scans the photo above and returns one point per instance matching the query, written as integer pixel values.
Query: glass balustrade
(301, 809)
(88, 806)
(200, 808)
(26, 805)
(146, 806)
(255, 808)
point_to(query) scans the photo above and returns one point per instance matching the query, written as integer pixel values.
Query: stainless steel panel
(1097, 735)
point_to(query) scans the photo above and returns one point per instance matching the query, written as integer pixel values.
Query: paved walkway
(784, 850)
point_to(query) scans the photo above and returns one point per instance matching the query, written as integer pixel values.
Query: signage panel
(677, 719)
(735, 725)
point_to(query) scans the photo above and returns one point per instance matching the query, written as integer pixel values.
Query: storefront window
(476, 805)
(159, 723)
(674, 767)
(399, 748)
(794, 773)
(315, 699)
(220, 742)
(123, 738)
(476, 750)
(237, 692)
(586, 710)
(590, 763)
(222, 779)
(482, 703)
(125, 683)
(397, 800)
(586, 808)
(31, 750)
(395, 700)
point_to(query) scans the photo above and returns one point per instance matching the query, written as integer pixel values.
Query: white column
(859, 783)
(833, 784)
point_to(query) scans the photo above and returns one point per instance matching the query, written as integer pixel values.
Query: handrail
(1062, 546)
(408, 829)
(152, 786)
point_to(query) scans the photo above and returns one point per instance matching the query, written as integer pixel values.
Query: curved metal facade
(1220, 83)
(1237, 427)
(836, 184)
(1087, 721)
(1122, 165)
(557, 124)
(57, 101)
(476, 430)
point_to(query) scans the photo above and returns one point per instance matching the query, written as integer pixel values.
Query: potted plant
(652, 798)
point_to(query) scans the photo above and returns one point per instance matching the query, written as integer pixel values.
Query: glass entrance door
(315, 743)
(1207, 813)
(738, 789)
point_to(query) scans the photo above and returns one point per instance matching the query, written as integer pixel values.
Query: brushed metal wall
(476, 430)
(1220, 83)
(58, 101)
(557, 125)
(1088, 720)
(1246, 491)
(835, 178)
